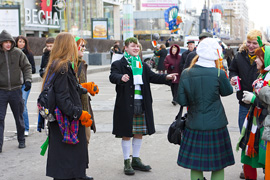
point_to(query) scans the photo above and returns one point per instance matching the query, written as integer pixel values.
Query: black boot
(138, 165)
(128, 170)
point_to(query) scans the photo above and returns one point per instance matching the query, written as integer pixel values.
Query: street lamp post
(151, 21)
(60, 6)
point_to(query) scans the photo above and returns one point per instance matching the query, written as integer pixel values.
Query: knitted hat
(209, 49)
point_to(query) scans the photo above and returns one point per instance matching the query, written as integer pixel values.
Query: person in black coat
(191, 48)
(46, 55)
(192, 54)
(66, 160)
(162, 53)
(133, 113)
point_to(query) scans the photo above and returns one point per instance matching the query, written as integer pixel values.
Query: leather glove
(91, 87)
(86, 119)
(27, 86)
(248, 97)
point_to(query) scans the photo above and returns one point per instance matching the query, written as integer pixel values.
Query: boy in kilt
(133, 113)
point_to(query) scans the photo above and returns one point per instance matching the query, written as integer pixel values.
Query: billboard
(10, 20)
(99, 28)
(158, 4)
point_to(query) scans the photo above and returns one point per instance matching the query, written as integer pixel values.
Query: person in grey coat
(13, 64)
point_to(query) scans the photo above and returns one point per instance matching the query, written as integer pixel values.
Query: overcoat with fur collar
(124, 103)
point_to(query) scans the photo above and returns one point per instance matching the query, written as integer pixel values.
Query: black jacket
(162, 53)
(190, 56)
(124, 103)
(30, 58)
(44, 62)
(241, 67)
(184, 58)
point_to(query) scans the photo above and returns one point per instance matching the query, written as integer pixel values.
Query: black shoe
(174, 103)
(21, 145)
(86, 178)
(0, 149)
(242, 175)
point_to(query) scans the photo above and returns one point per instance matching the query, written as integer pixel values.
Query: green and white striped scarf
(137, 70)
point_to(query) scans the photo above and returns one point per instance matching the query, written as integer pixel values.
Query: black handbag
(46, 101)
(176, 129)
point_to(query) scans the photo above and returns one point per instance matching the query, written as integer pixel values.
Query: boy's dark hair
(131, 40)
(50, 40)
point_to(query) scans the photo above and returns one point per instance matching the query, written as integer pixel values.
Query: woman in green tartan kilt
(206, 144)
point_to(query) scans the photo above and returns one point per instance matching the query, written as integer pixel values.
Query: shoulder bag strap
(180, 112)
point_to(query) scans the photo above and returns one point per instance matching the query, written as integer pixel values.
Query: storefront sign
(10, 20)
(158, 4)
(40, 18)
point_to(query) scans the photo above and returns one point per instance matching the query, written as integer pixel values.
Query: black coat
(44, 62)
(30, 58)
(162, 53)
(66, 161)
(189, 59)
(124, 103)
(241, 67)
(184, 58)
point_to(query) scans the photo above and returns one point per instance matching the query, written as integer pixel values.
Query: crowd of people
(197, 80)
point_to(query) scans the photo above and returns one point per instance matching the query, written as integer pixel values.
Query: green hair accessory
(259, 40)
(77, 38)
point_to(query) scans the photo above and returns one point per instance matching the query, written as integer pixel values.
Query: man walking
(13, 63)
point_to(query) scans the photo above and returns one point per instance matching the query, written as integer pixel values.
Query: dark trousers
(174, 88)
(14, 99)
(229, 62)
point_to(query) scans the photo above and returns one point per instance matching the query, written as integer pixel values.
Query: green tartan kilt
(139, 125)
(208, 150)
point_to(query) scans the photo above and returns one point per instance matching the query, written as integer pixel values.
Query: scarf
(251, 59)
(253, 129)
(137, 70)
(205, 62)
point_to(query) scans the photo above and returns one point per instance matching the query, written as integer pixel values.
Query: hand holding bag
(177, 128)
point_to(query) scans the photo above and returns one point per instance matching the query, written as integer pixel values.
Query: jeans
(15, 101)
(25, 95)
(241, 116)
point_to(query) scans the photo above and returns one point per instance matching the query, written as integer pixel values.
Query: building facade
(74, 17)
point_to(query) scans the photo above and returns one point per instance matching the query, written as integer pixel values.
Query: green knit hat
(77, 38)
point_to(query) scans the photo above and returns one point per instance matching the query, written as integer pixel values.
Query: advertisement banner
(158, 4)
(127, 21)
(99, 28)
(10, 20)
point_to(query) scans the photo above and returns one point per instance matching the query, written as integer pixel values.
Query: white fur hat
(207, 49)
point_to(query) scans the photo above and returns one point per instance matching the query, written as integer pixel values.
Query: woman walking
(67, 157)
(22, 43)
(162, 53)
(206, 144)
(172, 65)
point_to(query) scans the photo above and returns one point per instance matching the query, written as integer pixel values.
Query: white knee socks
(136, 146)
(126, 148)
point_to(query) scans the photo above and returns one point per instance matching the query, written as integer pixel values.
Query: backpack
(46, 100)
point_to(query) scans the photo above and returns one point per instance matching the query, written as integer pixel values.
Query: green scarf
(137, 68)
